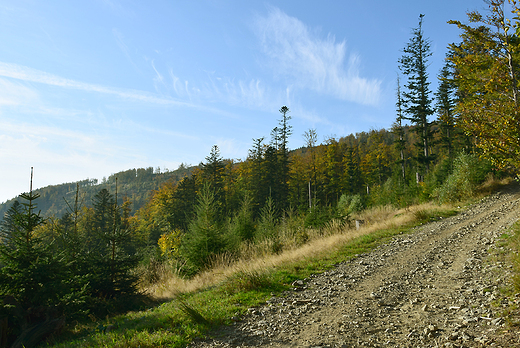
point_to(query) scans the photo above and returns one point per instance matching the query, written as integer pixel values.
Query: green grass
(177, 322)
(514, 242)
(508, 252)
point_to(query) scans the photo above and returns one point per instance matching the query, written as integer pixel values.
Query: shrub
(349, 204)
(356, 204)
(169, 244)
(293, 231)
(343, 205)
(318, 217)
(468, 172)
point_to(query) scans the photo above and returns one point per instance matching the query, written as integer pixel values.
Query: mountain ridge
(134, 184)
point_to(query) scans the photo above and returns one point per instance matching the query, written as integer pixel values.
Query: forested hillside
(133, 184)
(95, 243)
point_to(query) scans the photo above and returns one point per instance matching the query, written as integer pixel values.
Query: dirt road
(435, 287)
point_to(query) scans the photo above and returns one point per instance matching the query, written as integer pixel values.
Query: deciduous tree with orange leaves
(486, 66)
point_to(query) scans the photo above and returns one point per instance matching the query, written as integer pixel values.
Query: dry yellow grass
(492, 184)
(257, 258)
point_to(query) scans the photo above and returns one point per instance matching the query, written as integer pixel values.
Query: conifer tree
(103, 221)
(241, 226)
(445, 107)
(35, 283)
(353, 182)
(182, 203)
(273, 181)
(213, 173)
(266, 229)
(398, 130)
(257, 176)
(204, 237)
(110, 257)
(416, 97)
(284, 133)
(333, 171)
(311, 137)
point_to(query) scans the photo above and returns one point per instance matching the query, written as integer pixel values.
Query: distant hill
(133, 184)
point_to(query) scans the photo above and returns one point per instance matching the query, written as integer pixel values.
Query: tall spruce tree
(103, 220)
(111, 258)
(182, 203)
(416, 97)
(311, 138)
(285, 131)
(273, 182)
(353, 182)
(398, 130)
(257, 183)
(445, 107)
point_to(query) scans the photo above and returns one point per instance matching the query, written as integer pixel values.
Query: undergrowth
(192, 314)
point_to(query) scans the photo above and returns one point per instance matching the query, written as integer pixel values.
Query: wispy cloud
(309, 61)
(251, 93)
(32, 75)
(158, 79)
(57, 154)
(118, 9)
(27, 74)
(12, 93)
(45, 136)
(120, 41)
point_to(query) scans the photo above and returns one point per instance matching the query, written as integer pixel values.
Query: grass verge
(194, 310)
(507, 254)
(510, 243)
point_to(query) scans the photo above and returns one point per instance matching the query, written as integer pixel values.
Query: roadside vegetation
(227, 290)
(191, 307)
(509, 254)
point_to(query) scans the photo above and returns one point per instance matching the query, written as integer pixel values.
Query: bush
(468, 172)
(442, 171)
(356, 204)
(169, 243)
(152, 265)
(318, 217)
(343, 205)
(349, 204)
(292, 231)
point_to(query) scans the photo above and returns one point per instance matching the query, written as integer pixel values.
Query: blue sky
(90, 88)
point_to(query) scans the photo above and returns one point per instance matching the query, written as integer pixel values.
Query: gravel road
(435, 287)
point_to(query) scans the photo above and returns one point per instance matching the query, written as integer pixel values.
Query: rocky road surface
(435, 287)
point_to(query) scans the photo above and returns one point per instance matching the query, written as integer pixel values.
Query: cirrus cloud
(311, 62)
